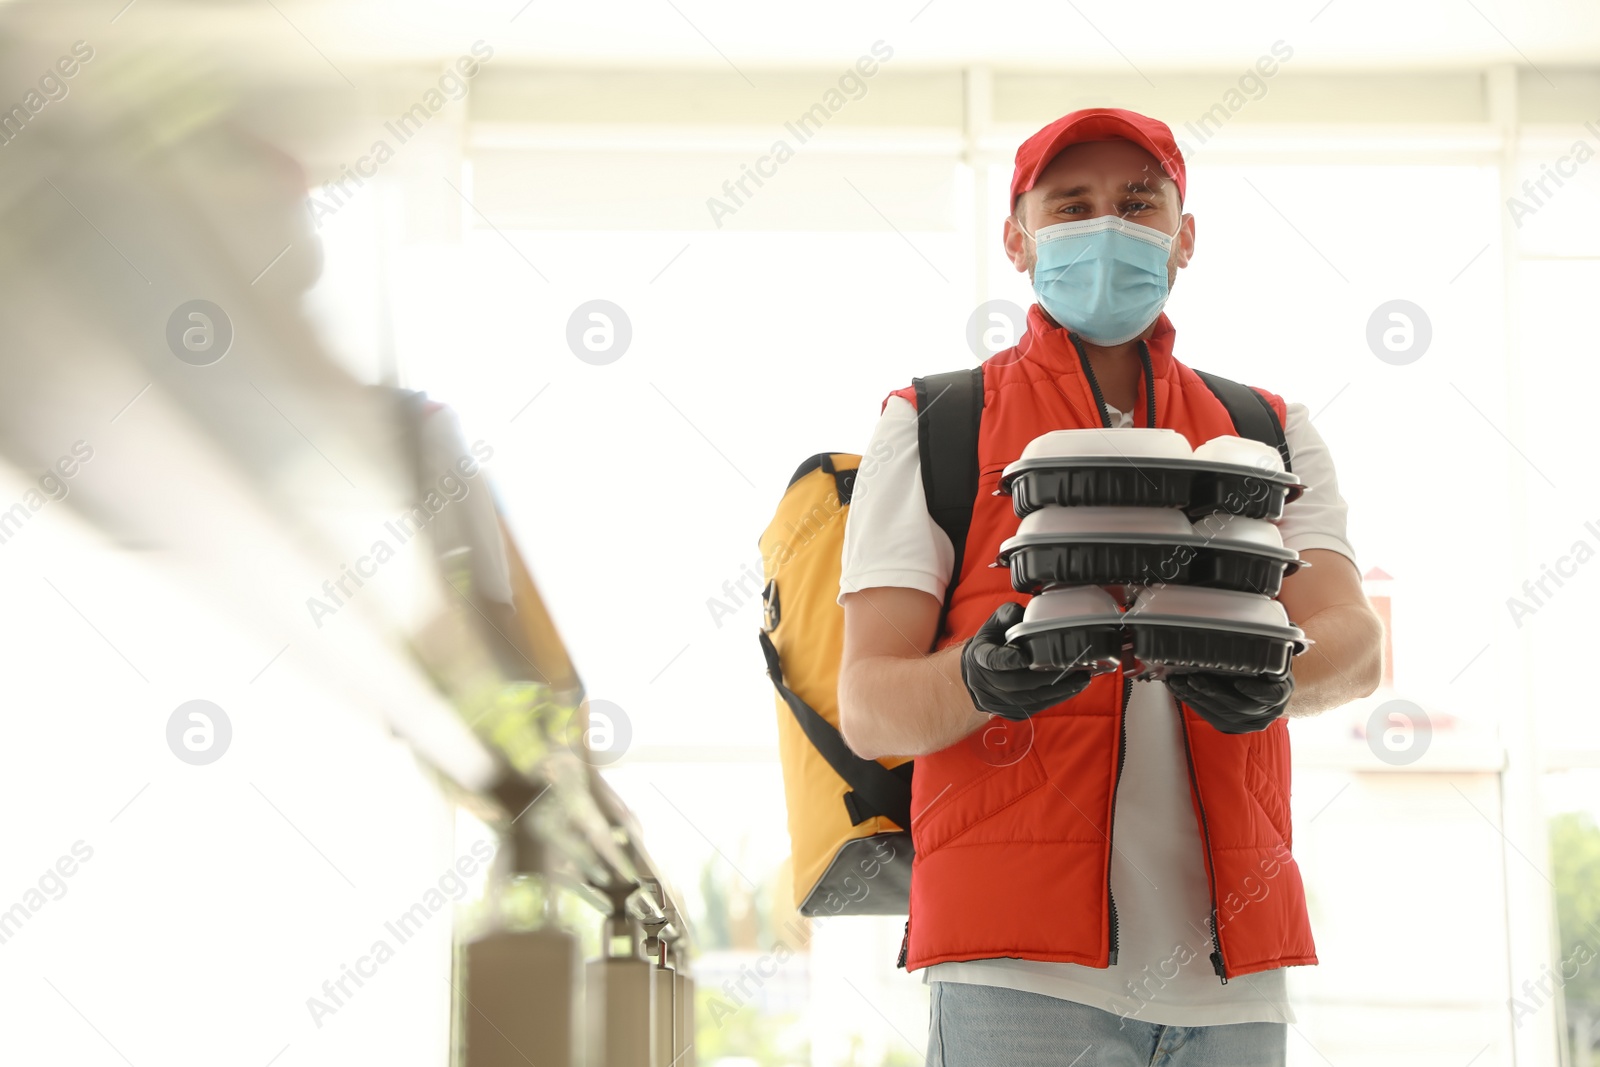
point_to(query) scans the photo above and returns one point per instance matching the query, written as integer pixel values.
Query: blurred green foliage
(1575, 856)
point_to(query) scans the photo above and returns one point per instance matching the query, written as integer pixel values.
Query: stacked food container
(1132, 542)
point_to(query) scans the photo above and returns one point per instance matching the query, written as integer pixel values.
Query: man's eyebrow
(1142, 185)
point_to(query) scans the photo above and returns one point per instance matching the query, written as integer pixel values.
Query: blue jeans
(983, 1026)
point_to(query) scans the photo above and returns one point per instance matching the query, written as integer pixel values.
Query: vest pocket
(989, 478)
(972, 780)
(1262, 785)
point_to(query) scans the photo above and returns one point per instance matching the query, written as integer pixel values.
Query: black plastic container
(1138, 546)
(1180, 648)
(1071, 629)
(1181, 628)
(1197, 490)
(1069, 648)
(1098, 486)
(1142, 467)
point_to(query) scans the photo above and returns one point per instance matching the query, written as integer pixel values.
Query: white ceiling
(736, 34)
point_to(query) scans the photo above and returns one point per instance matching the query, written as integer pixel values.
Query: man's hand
(998, 676)
(1234, 703)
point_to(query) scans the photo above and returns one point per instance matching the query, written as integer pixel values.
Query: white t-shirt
(1163, 973)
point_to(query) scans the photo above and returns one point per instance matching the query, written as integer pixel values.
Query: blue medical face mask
(1104, 277)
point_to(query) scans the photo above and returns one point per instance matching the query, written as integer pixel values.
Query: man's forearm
(907, 706)
(1344, 664)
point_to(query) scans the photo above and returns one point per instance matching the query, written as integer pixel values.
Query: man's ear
(1185, 241)
(1016, 243)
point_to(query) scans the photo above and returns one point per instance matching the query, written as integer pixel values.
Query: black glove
(998, 675)
(1234, 703)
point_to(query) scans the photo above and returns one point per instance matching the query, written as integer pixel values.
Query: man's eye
(1136, 205)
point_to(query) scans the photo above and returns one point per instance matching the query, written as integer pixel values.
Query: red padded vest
(1013, 825)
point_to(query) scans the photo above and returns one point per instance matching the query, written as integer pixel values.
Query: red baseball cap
(1096, 124)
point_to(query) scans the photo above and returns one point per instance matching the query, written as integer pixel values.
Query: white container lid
(1155, 523)
(1241, 452)
(1074, 604)
(1225, 530)
(1134, 442)
(1218, 608)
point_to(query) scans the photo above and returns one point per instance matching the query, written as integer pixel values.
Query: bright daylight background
(1373, 165)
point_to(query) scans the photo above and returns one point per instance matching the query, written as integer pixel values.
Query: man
(1103, 870)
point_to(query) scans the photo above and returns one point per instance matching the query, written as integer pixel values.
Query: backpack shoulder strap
(874, 788)
(1252, 416)
(949, 408)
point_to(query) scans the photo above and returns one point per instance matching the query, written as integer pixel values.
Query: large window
(641, 462)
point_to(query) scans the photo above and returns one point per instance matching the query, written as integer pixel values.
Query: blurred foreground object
(156, 364)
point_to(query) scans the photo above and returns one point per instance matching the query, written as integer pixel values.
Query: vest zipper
(1216, 955)
(1217, 963)
(1122, 757)
(1127, 679)
(905, 944)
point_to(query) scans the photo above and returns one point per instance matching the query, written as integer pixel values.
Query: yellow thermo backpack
(849, 818)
